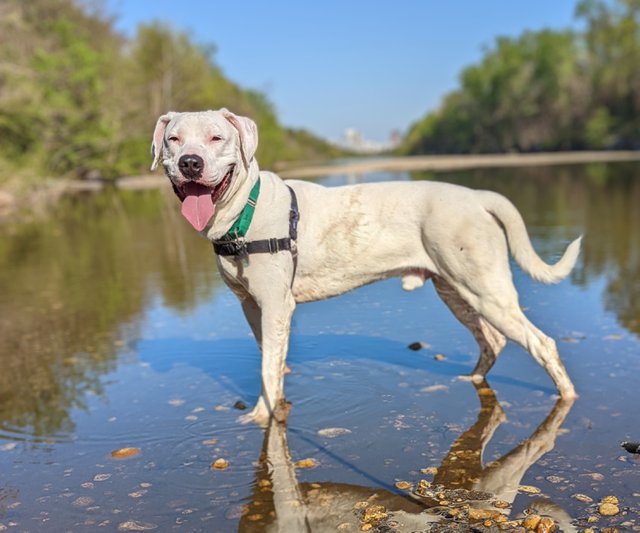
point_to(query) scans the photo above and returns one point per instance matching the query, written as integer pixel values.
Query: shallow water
(116, 331)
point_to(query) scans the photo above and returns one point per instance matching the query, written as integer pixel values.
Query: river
(117, 332)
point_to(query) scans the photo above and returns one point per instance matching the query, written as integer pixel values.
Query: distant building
(354, 140)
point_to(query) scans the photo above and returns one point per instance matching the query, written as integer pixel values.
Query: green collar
(242, 223)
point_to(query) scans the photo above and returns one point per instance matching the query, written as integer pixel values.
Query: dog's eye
(216, 138)
(173, 138)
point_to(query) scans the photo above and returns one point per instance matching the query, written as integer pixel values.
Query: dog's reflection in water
(281, 504)
(463, 467)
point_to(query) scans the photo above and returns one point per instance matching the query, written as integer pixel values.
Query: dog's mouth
(199, 200)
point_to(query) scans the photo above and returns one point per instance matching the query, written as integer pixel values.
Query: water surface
(116, 331)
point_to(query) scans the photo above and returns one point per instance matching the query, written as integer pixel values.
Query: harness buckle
(240, 248)
(273, 246)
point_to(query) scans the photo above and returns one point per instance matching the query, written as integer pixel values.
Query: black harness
(238, 247)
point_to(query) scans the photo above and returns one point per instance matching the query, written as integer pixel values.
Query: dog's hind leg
(489, 339)
(512, 322)
(495, 299)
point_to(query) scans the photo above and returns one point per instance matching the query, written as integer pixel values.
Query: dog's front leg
(276, 309)
(254, 318)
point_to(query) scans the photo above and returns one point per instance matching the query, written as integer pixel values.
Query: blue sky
(337, 64)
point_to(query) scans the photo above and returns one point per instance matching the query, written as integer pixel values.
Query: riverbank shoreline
(10, 201)
(445, 163)
(436, 163)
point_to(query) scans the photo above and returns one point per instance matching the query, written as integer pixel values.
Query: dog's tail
(520, 243)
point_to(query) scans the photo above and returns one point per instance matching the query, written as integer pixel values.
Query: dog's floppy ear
(158, 135)
(248, 132)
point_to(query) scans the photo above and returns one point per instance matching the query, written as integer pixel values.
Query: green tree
(546, 90)
(612, 41)
(77, 99)
(524, 95)
(51, 85)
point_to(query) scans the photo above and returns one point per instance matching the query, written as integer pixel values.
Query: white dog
(347, 237)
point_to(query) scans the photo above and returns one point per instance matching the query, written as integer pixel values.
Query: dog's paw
(251, 418)
(568, 396)
(259, 415)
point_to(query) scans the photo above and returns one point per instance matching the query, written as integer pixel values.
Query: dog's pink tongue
(197, 206)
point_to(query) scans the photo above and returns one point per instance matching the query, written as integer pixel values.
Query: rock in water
(240, 405)
(123, 453)
(631, 447)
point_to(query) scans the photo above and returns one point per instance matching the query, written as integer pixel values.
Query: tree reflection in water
(74, 285)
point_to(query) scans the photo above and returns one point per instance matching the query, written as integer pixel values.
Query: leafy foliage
(77, 99)
(546, 90)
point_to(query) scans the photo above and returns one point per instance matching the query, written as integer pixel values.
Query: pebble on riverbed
(370, 515)
(528, 489)
(123, 453)
(220, 464)
(133, 525)
(306, 463)
(608, 509)
(463, 510)
(532, 521)
(415, 346)
(546, 525)
(332, 433)
(609, 506)
(481, 514)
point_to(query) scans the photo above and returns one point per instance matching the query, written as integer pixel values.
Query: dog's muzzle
(191, 166)
(199, 199)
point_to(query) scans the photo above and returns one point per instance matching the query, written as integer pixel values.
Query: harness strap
(237, 248)
(241, 225)
(240, 247)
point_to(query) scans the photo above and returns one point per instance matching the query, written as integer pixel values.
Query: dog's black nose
(191, 166)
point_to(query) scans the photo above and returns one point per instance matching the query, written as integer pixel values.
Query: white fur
(357, 234)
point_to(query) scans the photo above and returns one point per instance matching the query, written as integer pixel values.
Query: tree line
(79, 99)
(546, 90)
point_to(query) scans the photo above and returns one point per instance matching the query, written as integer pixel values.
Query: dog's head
(202, 153)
